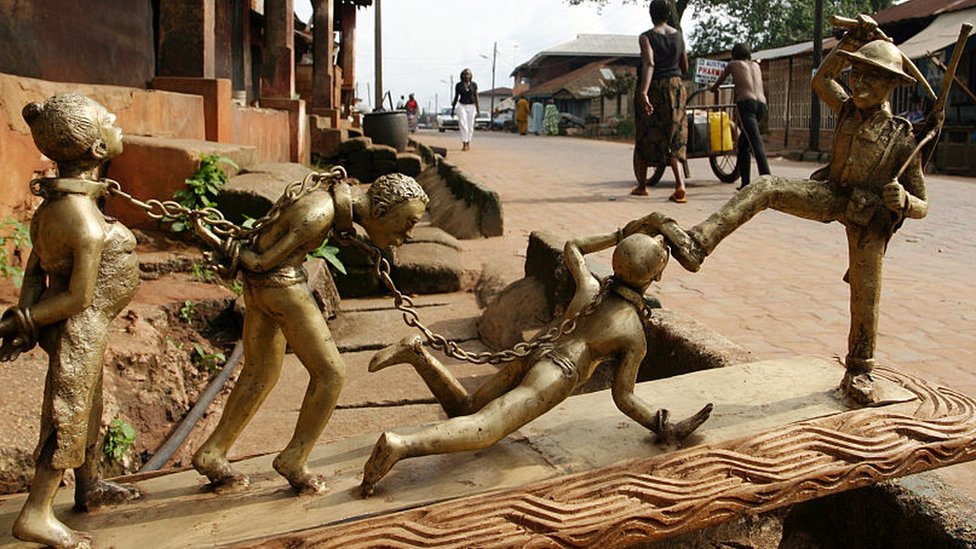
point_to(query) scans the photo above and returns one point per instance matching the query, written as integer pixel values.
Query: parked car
(482, 121)
(446, 120)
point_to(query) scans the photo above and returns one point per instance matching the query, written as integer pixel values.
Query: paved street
(775, 286)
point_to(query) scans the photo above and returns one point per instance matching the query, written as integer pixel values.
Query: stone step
(254, 190)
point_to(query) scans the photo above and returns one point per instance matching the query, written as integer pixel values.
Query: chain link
(411, 317)
(169, 209)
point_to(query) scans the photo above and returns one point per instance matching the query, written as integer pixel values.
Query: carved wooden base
(653, 498)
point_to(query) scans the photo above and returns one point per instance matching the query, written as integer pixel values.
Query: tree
(765, 24)
(679, 6)
(622, 85)
(718, 24)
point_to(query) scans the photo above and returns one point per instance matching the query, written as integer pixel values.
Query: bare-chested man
(750, 100)
(524, 390)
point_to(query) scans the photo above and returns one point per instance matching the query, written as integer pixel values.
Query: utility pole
(378, 61)
(491, 112)
(817, 54)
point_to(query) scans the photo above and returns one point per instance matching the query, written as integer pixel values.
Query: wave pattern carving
(653, 498)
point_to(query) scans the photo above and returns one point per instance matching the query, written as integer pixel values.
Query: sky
(426, 43)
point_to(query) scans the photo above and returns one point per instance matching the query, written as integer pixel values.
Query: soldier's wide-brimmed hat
(880, 54)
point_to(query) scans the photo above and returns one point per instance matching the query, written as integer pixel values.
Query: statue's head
(639, 260)
(396, 204)
(876, 69)
(74, 131)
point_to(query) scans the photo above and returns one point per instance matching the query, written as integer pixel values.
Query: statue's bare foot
(406, 350)
(300, 478)
(43, 528)
(386, 453)
(223, 478)
(104, 493)
(674, 433)
(859, 388)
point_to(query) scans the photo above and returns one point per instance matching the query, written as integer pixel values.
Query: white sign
(707, 71)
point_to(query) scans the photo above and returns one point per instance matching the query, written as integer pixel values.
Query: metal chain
(411, 317)
(161, 209)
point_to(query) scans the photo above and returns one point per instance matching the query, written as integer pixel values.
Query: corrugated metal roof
(940, 34)
(793, 49)
(592, 45)
(586, 81)
(919, 9)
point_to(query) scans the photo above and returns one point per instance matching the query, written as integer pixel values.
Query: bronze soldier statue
(872, 184)
(280, 309)
(81, 273)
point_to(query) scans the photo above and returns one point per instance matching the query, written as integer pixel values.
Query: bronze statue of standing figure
(281, 309)
(81, 273)
(873, 183)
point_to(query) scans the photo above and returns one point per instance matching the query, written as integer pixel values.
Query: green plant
(14, 245)
(626, 127)
(330, 254)
(237, 287)
(206, 361)
(201, 188)
(119, 437)
(200, 272)
(188, 312)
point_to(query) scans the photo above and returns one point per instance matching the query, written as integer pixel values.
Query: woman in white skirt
(465, 94)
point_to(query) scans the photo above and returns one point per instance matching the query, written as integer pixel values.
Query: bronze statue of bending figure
(82, 271)
(523, 390)
(281, 309)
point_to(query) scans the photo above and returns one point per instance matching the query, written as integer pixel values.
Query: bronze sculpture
(609, 321)
(81, 273)
(873, 183)
(281, 309)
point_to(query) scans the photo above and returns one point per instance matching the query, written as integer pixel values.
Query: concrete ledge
(469, 210)
(253, 191)
(217, 107)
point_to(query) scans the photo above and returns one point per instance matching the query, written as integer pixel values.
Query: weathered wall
(139, 112)
(265, 129)
(104, 42)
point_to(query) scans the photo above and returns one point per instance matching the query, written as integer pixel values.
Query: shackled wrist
(26, 326)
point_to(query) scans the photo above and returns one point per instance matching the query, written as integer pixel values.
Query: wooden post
(278, 55)
(323, 44)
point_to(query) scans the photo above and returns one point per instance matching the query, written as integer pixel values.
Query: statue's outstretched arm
(658, 421)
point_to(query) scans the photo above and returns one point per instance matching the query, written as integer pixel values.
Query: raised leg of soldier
(306, 330)
(264, 347)
(36, 522)
(808, 199)
(91, 490)
(544, 386)
(451, 395)
(866, 247)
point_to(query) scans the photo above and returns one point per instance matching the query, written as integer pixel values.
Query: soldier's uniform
(868, 151)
